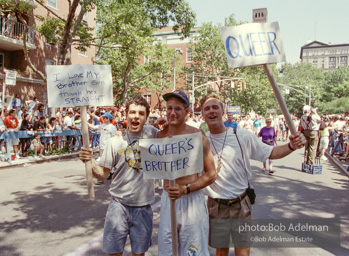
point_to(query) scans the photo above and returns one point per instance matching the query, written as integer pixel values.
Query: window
(315, 62)
(147, 97)
(82, 52)
(52, 3)
(85, 18)
(189, 56)
(344, 61)
(1, 60)
(164, 39)
(332, 62)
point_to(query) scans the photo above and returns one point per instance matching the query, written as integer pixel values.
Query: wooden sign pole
(280, 99)
(173, 223)
(88, 164)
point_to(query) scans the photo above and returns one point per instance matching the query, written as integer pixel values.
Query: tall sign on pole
(257, 44)
(10, 79)
(80, 86)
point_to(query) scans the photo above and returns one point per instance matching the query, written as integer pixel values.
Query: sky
(300, 21)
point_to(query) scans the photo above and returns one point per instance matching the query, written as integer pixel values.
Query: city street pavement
(44, 208)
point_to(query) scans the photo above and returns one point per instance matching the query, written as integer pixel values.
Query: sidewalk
(25, 161)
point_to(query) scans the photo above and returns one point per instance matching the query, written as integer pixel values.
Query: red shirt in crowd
(11, 122)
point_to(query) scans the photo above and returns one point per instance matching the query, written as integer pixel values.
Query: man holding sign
(191, 211)
(129, 210)
(227, 196)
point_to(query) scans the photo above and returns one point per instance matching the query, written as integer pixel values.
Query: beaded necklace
(220, 155)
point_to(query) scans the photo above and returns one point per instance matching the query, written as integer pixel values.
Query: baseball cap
(179, 95)
(107, 115)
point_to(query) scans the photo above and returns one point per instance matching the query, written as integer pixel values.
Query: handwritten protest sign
(253, 44)
(172, 157)
(79, 85)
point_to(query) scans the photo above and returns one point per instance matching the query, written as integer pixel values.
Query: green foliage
(50, 28)
(126, 32)
(209, 58)
(336, 84)
(329, 90)
(337, 106)
(301, 77)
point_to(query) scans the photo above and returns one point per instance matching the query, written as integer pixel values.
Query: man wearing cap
(191, 211)
(310, 121)
(129, 212)
(227, 196)
(107, 130)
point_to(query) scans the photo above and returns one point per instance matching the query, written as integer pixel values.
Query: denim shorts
(122, 220)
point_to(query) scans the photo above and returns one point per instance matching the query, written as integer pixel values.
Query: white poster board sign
(79, 85)
(172, 157)
(253, 44)
(11, 76)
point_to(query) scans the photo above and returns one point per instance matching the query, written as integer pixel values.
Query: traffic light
(239, 85)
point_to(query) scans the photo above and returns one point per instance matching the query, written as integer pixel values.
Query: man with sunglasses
(129, 210)
(191, 210)
(227, 196)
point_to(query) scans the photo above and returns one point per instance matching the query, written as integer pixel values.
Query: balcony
(11, 34)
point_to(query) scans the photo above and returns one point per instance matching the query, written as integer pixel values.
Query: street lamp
(179, 50)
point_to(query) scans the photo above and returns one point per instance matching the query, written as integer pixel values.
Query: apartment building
(41, 53)
(167, 36)
(327, 56)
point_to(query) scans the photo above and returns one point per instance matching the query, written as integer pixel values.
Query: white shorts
(192, 225)
(324, 142)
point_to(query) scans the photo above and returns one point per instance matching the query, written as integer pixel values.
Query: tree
(303, 77)
(129, 27)
(209, 58)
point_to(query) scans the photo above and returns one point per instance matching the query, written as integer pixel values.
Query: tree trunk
(65, 44)
(25, 50)
(126, 82)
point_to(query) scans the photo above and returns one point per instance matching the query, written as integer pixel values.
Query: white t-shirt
(67, 122)
(128, 185)
(107, 131)
(231, 180)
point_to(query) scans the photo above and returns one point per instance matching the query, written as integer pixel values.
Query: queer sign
(253, 44)
(172, 157)
(79, 85)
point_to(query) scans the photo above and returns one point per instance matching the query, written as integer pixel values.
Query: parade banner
(79, 85)
(253, 44)
(172, 157)
(233, 109)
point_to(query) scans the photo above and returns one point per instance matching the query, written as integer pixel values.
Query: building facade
(326, 56)
(167, 36)
(41, 53)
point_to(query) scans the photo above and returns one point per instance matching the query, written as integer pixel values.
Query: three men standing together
(225, 180)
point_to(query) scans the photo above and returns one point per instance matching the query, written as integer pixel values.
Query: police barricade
(6, 136)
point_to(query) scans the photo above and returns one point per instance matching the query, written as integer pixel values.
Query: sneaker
(36, 157)
(99, 182)
(324, 158)
(41, 156)
(18, 157)
(97, 160)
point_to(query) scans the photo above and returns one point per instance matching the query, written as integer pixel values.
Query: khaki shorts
(225, 219)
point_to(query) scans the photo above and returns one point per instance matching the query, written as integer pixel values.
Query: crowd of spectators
(35, 118)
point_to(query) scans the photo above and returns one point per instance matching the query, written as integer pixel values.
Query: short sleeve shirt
(128, 185)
